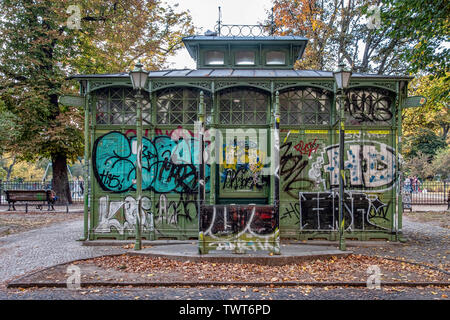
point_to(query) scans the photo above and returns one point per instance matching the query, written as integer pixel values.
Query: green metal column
(201, 172)
(276, 173)
(93, 112)
(138, 243)
(402, 86)
(86, 166)
(341, 172)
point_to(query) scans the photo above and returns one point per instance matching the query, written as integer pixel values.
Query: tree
(339, 31)
(441, 163)
(6, 166)
(435, 114)
(426, 24)
(39, 51)
(424, 141)
(418, 165)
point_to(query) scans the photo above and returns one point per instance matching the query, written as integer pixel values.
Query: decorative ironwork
(243, 106)
(98, 84)
(239, 30)
(327, 85)
(179, 105)
(223, 84)
(202, 84)
(305, 106)
(243, 30)
(261, 84)
(285, 85)
(387, 85)
(161, 84)
(117, 106)
(369, 106)
(265, 85)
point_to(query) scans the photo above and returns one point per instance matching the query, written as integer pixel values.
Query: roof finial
(219, 22)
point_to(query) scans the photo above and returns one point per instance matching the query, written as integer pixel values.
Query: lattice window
(305, 106)
(180, 105)
(117, 105)
(243, 106)
(369, 106)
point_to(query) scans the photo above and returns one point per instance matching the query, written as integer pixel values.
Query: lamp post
(342, 78)
(138, 79)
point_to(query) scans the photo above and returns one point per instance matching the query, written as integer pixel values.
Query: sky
(205, 14)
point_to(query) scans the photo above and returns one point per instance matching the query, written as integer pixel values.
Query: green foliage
(339, 30)
(39, 51)
(441, 163)
(418, 165)
(424, 141)
(435, 114)
(426, 24)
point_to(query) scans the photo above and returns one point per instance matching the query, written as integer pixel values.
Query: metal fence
(76, 188)
(426, 193)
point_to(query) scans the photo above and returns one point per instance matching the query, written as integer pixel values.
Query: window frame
(233, 113)
(324, 100)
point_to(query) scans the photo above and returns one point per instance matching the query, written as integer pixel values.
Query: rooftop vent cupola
(244, 47)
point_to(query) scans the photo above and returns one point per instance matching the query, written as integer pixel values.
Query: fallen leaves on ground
(343, 269)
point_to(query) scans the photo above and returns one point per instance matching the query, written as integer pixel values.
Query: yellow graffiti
(317, 131)
(239, 155)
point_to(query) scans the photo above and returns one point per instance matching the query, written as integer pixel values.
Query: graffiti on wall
(239, 227)
(320, 211)
(171, 211)
(293, 162)
(369, 106)
(243, 166)
(110, 213)
(311, 169)
(168, 164)
(371, 166)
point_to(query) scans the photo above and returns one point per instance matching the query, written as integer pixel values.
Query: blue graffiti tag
(167, 165)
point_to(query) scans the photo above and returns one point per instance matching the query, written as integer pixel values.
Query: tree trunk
(60, 179)
(10, 168)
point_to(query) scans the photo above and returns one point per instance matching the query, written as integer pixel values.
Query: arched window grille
(242, 106)
(305, 106)
(369, 106)
(117, 105)
(179, 105)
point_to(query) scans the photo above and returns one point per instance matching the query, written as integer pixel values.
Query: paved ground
(36, 249)
(427, 243)
(229, 293)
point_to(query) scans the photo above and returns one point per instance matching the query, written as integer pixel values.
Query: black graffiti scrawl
(320, 211)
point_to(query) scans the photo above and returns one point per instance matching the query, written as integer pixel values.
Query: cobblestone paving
(229, 293)
(40, 248)
(426, 243)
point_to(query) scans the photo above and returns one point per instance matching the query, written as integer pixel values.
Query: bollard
(26, 207)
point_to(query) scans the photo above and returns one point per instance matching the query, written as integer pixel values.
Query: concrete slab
(290, 254)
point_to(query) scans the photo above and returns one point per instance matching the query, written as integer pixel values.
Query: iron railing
(237, 30)
(426, 193)
(76, 188)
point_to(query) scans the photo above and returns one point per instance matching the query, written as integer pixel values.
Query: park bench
(43, 196)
